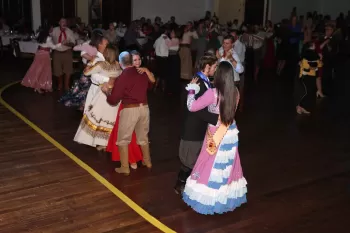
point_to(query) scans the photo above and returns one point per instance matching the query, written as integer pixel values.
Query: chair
(4, 47)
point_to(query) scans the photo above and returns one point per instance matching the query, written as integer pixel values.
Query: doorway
(255, 11)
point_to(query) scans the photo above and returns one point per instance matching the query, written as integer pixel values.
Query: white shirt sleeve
(239, 67)
(194, 35)
(49, 44)
(240, 50)
(99, 78)
(70, 36)
(156, 43)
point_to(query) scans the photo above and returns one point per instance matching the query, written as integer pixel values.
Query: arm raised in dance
(202, 102)
(94, 69)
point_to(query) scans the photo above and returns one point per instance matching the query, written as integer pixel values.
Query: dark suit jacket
(195, 123)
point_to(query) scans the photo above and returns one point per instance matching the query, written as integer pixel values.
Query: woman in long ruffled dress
(39, 75)
(99, 118)
(216, 184)
(90, 51)
(135, 154)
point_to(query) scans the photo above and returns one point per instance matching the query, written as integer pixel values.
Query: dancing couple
(103, 123)
(215, 183)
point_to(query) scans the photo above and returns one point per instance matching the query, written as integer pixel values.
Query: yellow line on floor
(155, 222)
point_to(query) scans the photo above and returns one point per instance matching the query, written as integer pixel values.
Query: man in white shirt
(63, 56)
(240, 49)
(238, 46)
(162, 53)
(227, 53)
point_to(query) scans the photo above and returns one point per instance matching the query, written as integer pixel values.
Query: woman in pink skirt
(217, 184)
(39, 75)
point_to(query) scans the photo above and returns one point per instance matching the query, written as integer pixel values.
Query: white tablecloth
(28, 46)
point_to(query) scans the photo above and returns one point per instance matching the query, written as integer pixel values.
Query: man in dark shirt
(131, 89)
(195, 123)
(172, 24)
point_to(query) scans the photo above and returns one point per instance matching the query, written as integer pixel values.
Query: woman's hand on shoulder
(142, 70)
(91, 62)
(194, 81)
(105, 88)
(218, 56)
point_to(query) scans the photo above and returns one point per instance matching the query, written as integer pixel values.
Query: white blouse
(96, 77)
(174, 44)
(187, 37)
(49, 44)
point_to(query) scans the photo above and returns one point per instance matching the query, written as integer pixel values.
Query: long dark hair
(43, 34)
(227, 92)
(96, 38)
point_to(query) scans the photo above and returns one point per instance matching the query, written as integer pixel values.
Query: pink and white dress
(39, 75)
(217, 184)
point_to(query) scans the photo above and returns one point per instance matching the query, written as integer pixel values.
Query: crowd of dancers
(112, 93)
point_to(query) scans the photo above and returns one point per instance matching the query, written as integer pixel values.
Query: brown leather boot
(124, 160)
(59, 83)
(66, 82)
(146, 156)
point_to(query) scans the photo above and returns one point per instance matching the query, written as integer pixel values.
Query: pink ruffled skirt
(39, 75)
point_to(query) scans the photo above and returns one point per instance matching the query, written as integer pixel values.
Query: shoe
(179, 187)
(303, 110)
(320, 95)
(133, 166)
(299, 110)
(38, 90)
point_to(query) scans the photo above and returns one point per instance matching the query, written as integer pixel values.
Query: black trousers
(308, 100)
(173, 77)
(162, 67)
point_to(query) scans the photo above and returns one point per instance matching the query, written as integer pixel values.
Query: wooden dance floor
(297, 168)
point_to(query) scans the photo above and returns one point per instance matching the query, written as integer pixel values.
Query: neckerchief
(204, 78)
(63, 33)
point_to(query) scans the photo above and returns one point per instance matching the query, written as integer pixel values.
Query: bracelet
(191, 92)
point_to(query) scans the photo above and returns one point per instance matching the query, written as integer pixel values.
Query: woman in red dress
(135, 154)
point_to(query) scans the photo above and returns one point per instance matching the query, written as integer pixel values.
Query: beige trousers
(133, 119)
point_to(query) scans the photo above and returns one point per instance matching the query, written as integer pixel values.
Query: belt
(44, 49)
(172, 52)
(185, 45)
(134, 105)
(99, 85)
(65, 51)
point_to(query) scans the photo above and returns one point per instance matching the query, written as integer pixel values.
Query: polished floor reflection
(297, 167)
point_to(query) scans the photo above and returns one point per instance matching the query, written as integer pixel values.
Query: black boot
(180, 182)
(184, 173)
